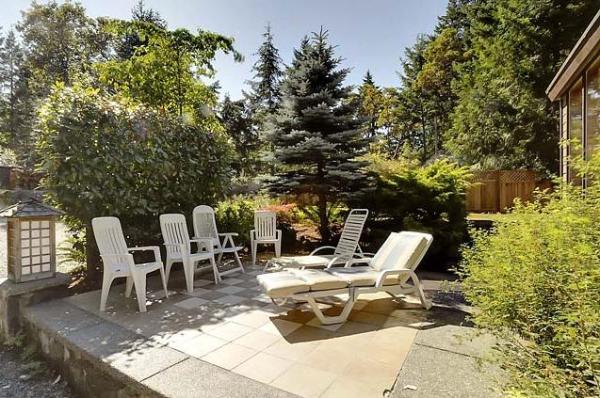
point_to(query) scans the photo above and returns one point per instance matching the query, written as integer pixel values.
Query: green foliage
(236, 214)
(103, 155)
(534, 281)
(515, 49)
(427, 198)
(315, 133)
(165, 69)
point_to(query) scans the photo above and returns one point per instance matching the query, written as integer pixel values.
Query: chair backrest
(351, 233)
(205, 225)
(109, 235)
(175, 232)
(265, 224)
(403, 250)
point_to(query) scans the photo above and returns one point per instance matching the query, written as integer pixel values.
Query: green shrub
(236, 214)
(429, 198)
(535, 281)
(103, 156)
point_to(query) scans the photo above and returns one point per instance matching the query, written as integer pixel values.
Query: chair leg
(253, 244)
(424, 302)
(220, 258)
(107, 280)
(331, 320)
(278, 248)
(239, 262)
(140, 291)
(188, 270)
(128, 286)
(164, 281)
(216, 272)
(169, 264)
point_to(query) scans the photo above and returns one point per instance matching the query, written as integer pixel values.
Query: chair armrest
(364, 255)
(336, 259)
(319, 249)
(360, 260)
(229, 234)
(390, 272)
(155, 249)
(207, 242)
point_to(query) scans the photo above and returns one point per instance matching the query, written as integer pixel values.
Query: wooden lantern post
(31, 240)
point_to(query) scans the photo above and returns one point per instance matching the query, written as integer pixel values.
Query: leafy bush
(535, 281)
(429, 198)
(103, 155)
(236, 214)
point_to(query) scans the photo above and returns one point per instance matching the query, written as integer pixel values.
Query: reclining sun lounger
(390, 270)
(346, 248)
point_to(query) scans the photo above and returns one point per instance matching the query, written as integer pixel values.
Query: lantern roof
(29, 208)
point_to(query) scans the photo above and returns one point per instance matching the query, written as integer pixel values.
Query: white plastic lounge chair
(118, 261)
(179, 248)
(265, 232)
(205, 227)
(390, 270)
(346, 248)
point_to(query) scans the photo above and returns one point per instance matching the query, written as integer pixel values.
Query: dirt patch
(26, 378)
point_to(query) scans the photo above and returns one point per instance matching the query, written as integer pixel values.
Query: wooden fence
(495, 191)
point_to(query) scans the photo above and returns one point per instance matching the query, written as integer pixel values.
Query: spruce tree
(265, 95)
(371, 103)
(315, 132)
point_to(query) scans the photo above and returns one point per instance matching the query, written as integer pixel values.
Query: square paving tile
(231, 289)
(257, 340)
(202, 282)
(212, 295)
(199, 346)
(348, 388)
(143, 363)
(376, 374)
(230, 300)
(191, 303)
(232, 281)
(230, 331)
(280, 327)
(229, 356)
(263, 367)
(253, 318)
(304, 380)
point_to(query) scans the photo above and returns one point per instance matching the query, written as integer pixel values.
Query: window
(592, 116)
(575, 129)
(35, 247)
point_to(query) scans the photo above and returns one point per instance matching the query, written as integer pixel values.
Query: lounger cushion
(401, 252)
(282, 284)
(361, 276)
(303, 261)
(319, 280)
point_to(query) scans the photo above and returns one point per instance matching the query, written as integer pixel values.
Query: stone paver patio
(230, 340)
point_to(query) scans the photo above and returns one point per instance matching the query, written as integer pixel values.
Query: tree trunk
(94, 274)
(323, 219)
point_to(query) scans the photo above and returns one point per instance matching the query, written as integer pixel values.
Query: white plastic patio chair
(179, 248)
(119, 263)
(347, 247)
(205, 227)
(265, 232)
(391, 270)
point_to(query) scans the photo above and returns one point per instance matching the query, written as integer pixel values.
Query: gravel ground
(18, 379)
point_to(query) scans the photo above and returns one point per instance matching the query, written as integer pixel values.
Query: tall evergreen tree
(503, 118)
(237, 121)
(16, 102)
(315, 132)
(264, 92)
(370, 104)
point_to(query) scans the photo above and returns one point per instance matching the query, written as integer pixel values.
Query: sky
(369, 34)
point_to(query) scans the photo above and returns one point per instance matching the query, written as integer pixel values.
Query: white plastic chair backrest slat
(109, 235)
(351, 233)
(174, 231)
(205, 225)
(265, 224)
(403, 250)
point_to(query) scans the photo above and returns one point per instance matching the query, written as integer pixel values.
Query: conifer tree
(315, 132)
(371, 102)
(265, 94)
